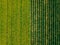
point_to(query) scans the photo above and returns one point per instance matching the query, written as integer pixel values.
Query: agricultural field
(29, 22)
(14, 22)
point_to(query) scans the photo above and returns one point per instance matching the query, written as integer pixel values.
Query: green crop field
(14, 22)
(29, 22)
